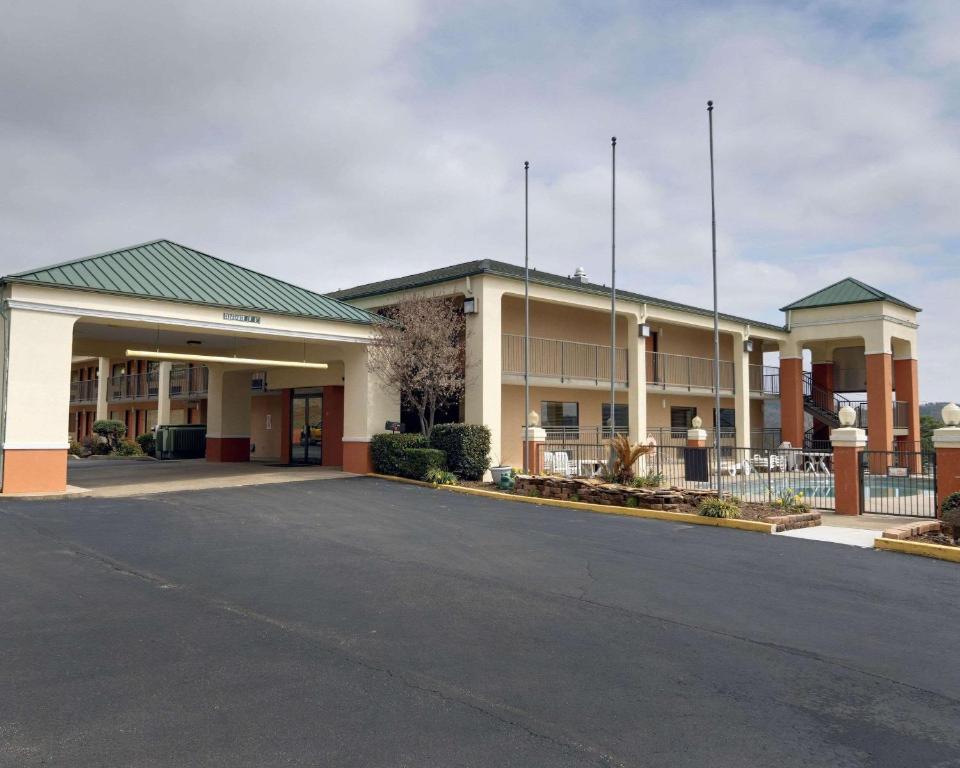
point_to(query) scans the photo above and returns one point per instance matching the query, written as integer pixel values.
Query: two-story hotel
(163, 334)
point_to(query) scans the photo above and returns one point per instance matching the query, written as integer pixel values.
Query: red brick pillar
(946, 441)
(908, 391)
(791, 401)
(533, 449)
(848, 443)
(879, 407)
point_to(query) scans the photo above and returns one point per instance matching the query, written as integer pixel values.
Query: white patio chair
(548, 462)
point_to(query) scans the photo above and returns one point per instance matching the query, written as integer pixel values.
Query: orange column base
(846, 469)
(533, 449)
(948, 473)
(356, 457)
(39, 470)
(228, 449)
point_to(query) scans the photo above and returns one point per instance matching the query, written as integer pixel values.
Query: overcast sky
(332, 143)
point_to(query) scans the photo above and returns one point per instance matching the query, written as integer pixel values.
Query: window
(681, 419)
(622, 413)
(727, 421)
(557, 414)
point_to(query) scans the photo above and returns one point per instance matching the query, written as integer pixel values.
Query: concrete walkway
(116, 478)
(853, 530)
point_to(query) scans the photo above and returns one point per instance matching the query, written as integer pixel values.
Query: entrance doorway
(306, 422)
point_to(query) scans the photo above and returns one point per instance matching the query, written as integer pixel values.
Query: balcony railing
(901, 414)
(667, 371)
(133, 386)
(189, 382)
(564, 360)
(83, 391)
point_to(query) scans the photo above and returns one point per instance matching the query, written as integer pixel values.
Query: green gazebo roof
(846, 291)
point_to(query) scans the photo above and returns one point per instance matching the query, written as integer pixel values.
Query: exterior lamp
(848, 416)
(748, 345)
(470, 305)
(644, 331)
(951, 414)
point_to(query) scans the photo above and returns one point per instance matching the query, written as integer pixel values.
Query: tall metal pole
(716, 311)
(613, 286)
(526, 312)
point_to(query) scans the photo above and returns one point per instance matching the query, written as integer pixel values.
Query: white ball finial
(951, 414)
(534, 419)
(848, 416)
(696, 422)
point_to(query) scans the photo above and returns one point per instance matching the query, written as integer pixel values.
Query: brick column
(946, 442)
(908, 390)
(791, 401)
(848, 443)
(696, 438)
(533, 442)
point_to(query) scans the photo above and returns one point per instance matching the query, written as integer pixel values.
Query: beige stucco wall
(558, 321)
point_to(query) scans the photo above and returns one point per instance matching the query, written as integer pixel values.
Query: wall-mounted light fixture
(644, 331)
(470, 305)
(748, 345)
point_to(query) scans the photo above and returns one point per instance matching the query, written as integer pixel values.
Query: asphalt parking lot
(358, 622)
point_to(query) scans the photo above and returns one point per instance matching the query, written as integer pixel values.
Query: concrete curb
(603, 509)
(936, 551)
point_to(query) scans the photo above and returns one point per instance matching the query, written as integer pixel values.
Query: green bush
(440, 477)
(718, 508)
(649, 480)
(147, 443)
(387, 450)
(467, 447)
(791, 502)
(416, 463)
(77, 449)
(95, 445)
(128, 448)
(950, 514)
(111, 430)
(632, 502)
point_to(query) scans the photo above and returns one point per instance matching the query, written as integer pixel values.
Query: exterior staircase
(825, 407)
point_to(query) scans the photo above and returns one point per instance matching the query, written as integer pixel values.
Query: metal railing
(188, 382)
(760, 439)
(685, 372)
(901, 414)
(764, 379)
(133, 386)
(83, 391)
(564, 360)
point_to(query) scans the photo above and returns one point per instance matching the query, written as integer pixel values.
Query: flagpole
(613, 287)
(716, 312)
(526, 313)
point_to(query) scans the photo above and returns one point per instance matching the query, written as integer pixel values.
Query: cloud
(342, 142)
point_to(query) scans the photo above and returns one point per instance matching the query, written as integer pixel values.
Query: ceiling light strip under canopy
(180, 356)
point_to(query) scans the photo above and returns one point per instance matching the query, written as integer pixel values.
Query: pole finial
(526, 164)
(709, 106)
(613, 140)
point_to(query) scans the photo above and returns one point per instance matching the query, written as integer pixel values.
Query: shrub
(416, 463)
(147, 443)
(95, 445)
(467, 447)
(650, 480)
(791, 502)
(626, 456)
(718, 508)
(77, 449)
(387, 450)
(440, 477)
(111, 430)
(632, 502)
(950, 514)
(128, 448)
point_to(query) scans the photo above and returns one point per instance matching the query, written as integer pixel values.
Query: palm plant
(625, 456)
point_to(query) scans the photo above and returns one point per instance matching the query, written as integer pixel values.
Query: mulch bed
(670, 499)
(935, 538)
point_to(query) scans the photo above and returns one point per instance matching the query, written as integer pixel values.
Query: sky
(339, 142)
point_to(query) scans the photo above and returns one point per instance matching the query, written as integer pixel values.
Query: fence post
(533, 441)
(946, 442)
(848, 443)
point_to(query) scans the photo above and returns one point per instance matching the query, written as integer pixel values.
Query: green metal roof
(846, 291)
(503, 269)
(166, 270)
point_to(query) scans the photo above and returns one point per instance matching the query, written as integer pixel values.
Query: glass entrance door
(306, 425)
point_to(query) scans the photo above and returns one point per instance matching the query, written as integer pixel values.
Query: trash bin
(696, 467)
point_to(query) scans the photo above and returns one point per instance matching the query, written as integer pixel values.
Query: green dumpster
(181, 441)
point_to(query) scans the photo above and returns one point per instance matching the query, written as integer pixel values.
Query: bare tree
(420, 352)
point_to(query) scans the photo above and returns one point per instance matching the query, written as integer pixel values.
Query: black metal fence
(899, 482)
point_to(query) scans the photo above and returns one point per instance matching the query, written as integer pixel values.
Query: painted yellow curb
(936, 551)
(603, 509)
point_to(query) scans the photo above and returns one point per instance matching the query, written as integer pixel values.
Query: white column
(637, 380)
(741, 390)
(228, 403)
(163, 392)
(368, 403)
(103, 385)
(484, 381)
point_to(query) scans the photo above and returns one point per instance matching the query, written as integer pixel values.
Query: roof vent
(580, 275)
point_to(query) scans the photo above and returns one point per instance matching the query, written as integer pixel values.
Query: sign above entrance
(241, 317)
